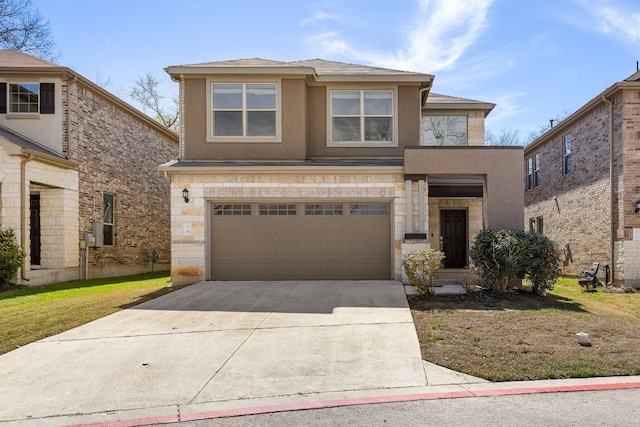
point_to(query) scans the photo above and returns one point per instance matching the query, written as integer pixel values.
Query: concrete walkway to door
(218, 346)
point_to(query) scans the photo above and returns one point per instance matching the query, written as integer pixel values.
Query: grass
(32, 313)
(527, 337)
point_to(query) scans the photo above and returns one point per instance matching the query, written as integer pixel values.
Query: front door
(453, 232)
(34, 233)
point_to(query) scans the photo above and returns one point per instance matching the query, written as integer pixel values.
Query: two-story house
(76, 160)
(582, 180)
(326, 170)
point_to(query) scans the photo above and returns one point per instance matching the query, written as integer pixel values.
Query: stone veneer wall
(118, 153)
(189, 252)
(475, 216)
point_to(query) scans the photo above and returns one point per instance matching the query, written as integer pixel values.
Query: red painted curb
(357, 401)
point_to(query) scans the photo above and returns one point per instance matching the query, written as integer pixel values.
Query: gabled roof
(12, 61)
(317, 69)
(13, 58)
(437, 101)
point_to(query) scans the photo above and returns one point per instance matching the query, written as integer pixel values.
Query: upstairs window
(27, 98)
(244, 110)
(24, 98)
(533, 171)
(362, 117)
(445, 131)
(567, 142)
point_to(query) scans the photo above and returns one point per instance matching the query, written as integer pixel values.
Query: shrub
(541, 262)
(504, 256)
(11, 256)
(498, 254)
(421, 268)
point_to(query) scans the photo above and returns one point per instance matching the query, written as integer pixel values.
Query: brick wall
(575, 207)
(118, 153)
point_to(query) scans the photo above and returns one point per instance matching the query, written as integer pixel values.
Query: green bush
(11, 256)
(421, 268)
(505, 256)
(542, 262)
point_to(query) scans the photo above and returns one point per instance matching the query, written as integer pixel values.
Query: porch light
(637, 209)
(185, 195)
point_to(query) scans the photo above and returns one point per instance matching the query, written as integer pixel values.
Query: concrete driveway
(214, 343)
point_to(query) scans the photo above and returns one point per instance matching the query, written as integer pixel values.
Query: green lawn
(28, 314)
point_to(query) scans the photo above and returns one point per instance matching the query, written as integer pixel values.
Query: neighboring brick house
(325, 170)
(73, 155)
(582, 184)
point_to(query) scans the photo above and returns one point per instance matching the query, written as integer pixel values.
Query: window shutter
(3, 98)
(47, 98)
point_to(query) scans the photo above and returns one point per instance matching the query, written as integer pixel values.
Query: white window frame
(211, 137)
(536, 170)
(394, 117)
(9, 103)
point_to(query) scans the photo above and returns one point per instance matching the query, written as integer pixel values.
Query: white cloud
(441, 32)
(615, 19)
(316, 17)
(507, 105)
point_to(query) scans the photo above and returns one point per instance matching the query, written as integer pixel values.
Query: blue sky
(535, 59)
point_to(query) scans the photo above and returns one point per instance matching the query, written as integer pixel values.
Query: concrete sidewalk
(231, 348)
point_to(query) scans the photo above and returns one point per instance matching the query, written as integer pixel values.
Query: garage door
(294, 241)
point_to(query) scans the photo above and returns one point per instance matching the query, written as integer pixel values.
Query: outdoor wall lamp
(185, 195)
(637, 209)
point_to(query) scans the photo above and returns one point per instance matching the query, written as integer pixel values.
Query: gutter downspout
(611, 194)
(23, 211)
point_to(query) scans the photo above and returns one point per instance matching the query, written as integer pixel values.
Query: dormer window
(244, 110)
(362, 117)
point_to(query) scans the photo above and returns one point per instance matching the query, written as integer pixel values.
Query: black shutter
(3, 98)
(47, 98)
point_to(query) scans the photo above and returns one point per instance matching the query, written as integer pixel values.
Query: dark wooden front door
(34, 233)
(454, 238)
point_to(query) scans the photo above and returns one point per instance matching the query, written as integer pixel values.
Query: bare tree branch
(22, 28)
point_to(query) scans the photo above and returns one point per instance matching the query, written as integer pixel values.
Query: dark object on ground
(590, 280)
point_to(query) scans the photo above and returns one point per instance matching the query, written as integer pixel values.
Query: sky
(536, 60)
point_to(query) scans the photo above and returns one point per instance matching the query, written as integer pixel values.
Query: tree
(22, 28)
(145, 91)
(508, 137)
(544, 128)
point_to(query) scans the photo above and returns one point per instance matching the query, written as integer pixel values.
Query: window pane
(378, 103)
(345, 103)
(227, 123)
(108, 208)
(434, 130)
(261, 123)
(279, 210)
(346, 129)
(456, 131)
(261, 97)
(369, 209)
(323, 209)
(227, 96)
(24, 97)
(378, 129)
(107, 235)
